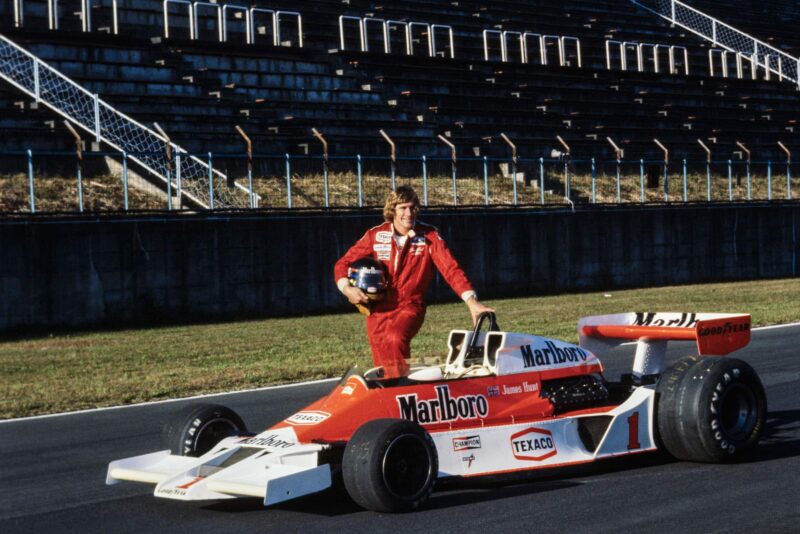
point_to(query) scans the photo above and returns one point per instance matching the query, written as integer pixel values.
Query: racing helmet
(368, 275)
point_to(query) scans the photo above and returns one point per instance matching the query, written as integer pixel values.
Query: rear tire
(390, 465)
(198, 428)
(710, 409)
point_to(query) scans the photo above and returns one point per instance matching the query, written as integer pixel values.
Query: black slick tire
(710, 409)
(390, 465)
(198, 428)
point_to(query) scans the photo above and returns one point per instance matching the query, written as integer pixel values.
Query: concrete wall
(88, 271)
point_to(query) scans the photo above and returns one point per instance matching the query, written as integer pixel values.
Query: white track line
(210, 395)
(205, 396)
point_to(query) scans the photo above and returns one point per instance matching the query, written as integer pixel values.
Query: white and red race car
(502, 402)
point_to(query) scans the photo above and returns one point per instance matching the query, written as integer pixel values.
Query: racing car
(502, 402)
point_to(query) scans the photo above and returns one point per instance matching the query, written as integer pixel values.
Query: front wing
(228, 471)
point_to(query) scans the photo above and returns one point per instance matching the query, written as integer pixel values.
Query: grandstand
(596, 73)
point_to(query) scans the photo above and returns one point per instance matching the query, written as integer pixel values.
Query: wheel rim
(738, 412)
(407, 466)
(212, 433)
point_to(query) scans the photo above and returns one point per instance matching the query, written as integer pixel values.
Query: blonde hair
(401, 195)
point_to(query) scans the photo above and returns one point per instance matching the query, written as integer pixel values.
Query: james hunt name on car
(443, 408)
(524, 388)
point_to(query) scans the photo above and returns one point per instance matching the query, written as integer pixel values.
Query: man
(409, 252)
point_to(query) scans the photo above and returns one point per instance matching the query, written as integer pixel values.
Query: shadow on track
(781, 437)
(454, 492)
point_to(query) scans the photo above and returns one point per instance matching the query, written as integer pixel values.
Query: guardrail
(561, 42)
(672, 52)
(723, 35)
(54, 10)
(220, 12)
(746, 66)
(425, 31)
(225, 15)
(46, 85)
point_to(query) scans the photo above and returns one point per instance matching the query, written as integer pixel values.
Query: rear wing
(715, 333)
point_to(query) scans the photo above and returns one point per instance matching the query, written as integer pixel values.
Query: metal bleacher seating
(198, 90)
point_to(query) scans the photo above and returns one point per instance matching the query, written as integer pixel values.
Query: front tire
(390, 465)
(711, 409)
(198, 428)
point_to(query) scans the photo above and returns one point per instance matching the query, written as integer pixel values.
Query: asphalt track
(52, 476)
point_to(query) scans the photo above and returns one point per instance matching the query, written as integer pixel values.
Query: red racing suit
(397, 318)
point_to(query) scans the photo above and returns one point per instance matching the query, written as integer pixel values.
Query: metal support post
(168, 164)
(685, 196)
(641, 180)
(325, 165)
(125, 178)
(52, 15)
(249, 165)
(513, 164)
(97, 119)
(37, 88)
(115, 16)
(708, 169)
(79, 155)
(360, 182)
(453, 166)
(619, 153)
(594, 179)
(769, 180)
(86, 15)
(392, 158)
(485, 181)
(541, 179)
(30, 182)
(211, 180)
(425, 181)
(666, 168)
(788, 170)
(178, 178)
(741, 145)
(288, 181)
(19, 20)
(730, 181)
(567, 155)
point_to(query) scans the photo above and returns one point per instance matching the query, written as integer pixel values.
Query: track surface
(52, 475)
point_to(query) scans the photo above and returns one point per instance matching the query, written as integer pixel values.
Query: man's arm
(455, 276)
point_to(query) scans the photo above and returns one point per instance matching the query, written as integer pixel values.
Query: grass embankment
(100, 193)
(308, 191)
(73, 371)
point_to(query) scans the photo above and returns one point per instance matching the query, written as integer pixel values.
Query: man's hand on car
(476, 308)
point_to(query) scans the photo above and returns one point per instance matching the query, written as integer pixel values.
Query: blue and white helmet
(368, 275)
